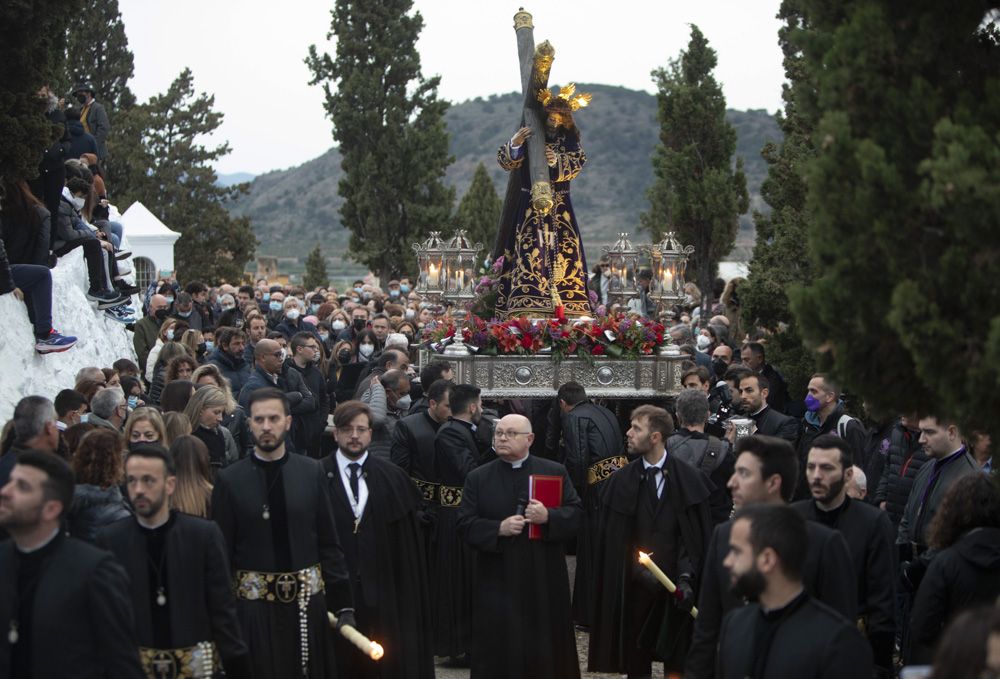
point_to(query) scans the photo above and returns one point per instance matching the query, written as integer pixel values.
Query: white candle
(432, 276)
(662, 577)
(370, 648)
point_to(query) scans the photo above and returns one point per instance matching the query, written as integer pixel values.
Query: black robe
(871, 540)
(683, 517)
(828, 575)
(300, 533)
(807, 640)
(80, 621)
(200, 602)
(388, 576)
(522, 621)
(453, 561)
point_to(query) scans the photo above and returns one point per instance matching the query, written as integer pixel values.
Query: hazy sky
(250, 55)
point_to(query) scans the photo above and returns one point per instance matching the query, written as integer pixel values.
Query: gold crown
(567, 94)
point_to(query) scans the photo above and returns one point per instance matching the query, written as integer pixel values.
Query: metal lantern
(458, 268)
(430, 259)
(624, 262)
(668, 260)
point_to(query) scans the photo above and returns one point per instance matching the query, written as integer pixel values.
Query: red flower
(526, 341)
(598, 350)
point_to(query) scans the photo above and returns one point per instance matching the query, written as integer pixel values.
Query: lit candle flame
(377, 651)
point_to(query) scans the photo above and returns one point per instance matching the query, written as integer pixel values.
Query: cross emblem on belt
(287, 587)
(163, 666)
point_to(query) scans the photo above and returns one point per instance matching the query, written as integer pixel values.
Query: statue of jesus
(543, 252)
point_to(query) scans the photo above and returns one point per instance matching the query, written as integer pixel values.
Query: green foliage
(390, 126)
(620, 132)
(315, 276)
(32, 34)
(697, 192)
(97, 53)
(479, 211)
(158, 159)
(903, 209)
(779, 258)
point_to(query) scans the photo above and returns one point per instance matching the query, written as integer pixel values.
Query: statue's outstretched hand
(521, 136)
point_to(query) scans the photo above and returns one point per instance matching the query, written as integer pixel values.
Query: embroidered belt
(194, 662)
(299, 586)
(603, 469)
(451, 496)
(427, 489)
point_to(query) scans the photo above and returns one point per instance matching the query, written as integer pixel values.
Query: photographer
(703, 451)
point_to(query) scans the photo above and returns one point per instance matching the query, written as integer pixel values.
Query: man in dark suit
(64, 604)
(413, 438)
(754, 390)
(185, 611)
(753, 357)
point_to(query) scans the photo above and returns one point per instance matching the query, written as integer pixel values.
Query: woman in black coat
(966, 570)
(97, 498)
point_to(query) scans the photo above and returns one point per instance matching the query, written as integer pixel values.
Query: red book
(548, 491)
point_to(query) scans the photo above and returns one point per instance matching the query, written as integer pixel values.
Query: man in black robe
(522, 621)
(456, 453)
(178, 576)
(660, 505)
(784, 633)
(766, 471)
(64, 604)
(594, 451)
(274, 511)
(753, 399)
(375, 507)
(870, 538)
(413, 439)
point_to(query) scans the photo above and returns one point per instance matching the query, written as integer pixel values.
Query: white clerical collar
(43, 544)
(762, 409)
(343, 460)
(658, 465)
(516, 464)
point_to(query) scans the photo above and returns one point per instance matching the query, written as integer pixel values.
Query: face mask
(316, 356)
(78, 202)
(812, 403)
(170, 335)
(183, 314)
(410, 314)
(356, 300)
(704, 342)
(360, 323)
(133, 401)
(292, 314)
(344, 357)
(366, 350)
(266, 296)
(160, 314)
(357, 290)
(394, 293)
(338, 324)
(284, 355)
(324, 336)
(203, 347)
(606, 273)
(275, 306)
(228, 307)
(209, 345)
(170, 300)
(409, 337)
(314, 308)
(367, 296)
(720, 367)
(404, 289)
(403, 403)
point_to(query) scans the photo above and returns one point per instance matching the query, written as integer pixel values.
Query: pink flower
(498, 265)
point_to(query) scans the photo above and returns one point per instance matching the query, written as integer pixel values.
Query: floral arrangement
(617, 335)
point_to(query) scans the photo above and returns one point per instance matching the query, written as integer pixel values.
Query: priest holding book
(518, 512)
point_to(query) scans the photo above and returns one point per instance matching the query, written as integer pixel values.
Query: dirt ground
(582, 640)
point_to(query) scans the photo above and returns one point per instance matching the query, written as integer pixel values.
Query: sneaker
(123, 254)
(54, 343)
(128, 290)
(105, 298)
(123, 271)
(121, 313)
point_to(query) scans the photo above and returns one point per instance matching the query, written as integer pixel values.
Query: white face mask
(284, 355)
(366, 350)
(338, 325)
(403, 403)
(78, 202)
(170, 335)
(410, 314)
(292, 314)
(704, 342)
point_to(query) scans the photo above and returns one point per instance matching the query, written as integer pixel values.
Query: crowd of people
(273, 467)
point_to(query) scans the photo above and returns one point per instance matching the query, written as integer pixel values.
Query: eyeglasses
(501, 435)
(276, 354)
(347, 431)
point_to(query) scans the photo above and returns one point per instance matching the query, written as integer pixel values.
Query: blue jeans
(36, 284)
(114, 231)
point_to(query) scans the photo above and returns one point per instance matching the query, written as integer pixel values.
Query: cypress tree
(389, 124)
(903, 210)
(160, 161)
(697, 191)
(315, 276)
(479, 210)
(97, 53)
(32, 49)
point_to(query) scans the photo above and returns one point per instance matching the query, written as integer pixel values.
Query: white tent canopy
(151, 242)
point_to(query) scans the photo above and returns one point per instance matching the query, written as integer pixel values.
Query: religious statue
(544, 271)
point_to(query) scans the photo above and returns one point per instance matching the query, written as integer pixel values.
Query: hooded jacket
(963, 575)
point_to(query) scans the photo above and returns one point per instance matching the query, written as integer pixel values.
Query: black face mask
(202, 348)
(160, 314)
(720, 367)
(360, 323)
(344, 357)
(82, 98)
